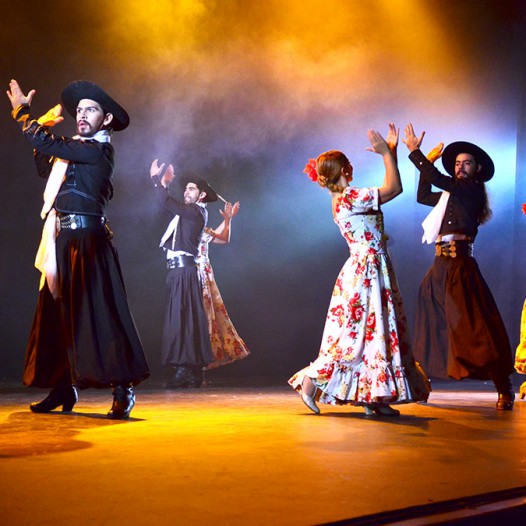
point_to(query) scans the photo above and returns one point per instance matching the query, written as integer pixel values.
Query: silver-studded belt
(74, 221)
(180, 261)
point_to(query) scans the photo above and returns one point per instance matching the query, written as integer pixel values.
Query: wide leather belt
(180, 261)
(453, 237)
(453, 249)
(74, 221)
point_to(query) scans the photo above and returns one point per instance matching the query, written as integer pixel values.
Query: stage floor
(230, 454)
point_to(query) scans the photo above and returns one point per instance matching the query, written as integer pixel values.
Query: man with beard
(186, 342)
(83, 334)
(459, 332)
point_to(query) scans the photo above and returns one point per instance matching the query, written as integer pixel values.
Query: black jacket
(192, 221)
(87, 188)
(466, 201)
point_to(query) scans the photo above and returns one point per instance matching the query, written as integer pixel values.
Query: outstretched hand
(230, 210)
(51, 117)
(411, 140)
(168, 176)
(226, 213)
(392, 138)
(378, 143)
(436, 152)
(155, 169)
(16, 95)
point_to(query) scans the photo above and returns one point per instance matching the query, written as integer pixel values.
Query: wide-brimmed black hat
(84, 89)
(451, 151)
(202, 184)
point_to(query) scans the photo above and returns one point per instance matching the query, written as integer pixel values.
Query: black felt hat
(202, 184)
(451, 151)
(84, 89)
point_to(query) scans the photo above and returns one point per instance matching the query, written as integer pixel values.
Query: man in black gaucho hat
(83, 334)
(459, 332)
(186, 346)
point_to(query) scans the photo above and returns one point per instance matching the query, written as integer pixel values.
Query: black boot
(505, 389)
(198, 376)
(182, 378)
(123, 402)
(505, 401)
(63, 395)
(205, 381)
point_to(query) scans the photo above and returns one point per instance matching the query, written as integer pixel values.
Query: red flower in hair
(524, 208)
(310, 170)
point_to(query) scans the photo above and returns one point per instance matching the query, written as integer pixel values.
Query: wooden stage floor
(255, 455)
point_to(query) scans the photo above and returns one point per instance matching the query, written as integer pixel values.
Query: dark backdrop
(244, 93)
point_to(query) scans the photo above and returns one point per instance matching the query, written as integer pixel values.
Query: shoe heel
(65, 396)
(70, 399)
(123, 402)
(369, 411)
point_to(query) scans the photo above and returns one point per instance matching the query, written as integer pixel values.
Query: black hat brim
(451, 151)
(84, 89)
(202, 184)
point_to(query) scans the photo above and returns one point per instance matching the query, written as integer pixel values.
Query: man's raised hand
(16, 95)
(51, 117)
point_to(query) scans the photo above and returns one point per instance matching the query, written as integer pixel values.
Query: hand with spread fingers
(392, 139)
(155, 169)
(411, 140)
(378, 143)
(16, 95)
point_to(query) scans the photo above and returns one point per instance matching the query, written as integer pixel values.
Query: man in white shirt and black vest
(186, 344)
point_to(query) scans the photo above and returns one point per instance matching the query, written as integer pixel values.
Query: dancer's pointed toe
(310, 402)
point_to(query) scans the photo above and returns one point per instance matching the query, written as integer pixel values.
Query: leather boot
(186, 376)
(505, 401)
(505, 389)
(180, 379)
(123, 402)
(62, 395)
(198, 376)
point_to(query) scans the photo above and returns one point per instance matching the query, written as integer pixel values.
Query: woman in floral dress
(365, 357)
(227, 345)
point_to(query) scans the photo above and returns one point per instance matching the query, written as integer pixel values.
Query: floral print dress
(365, 354)
(227, 345)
